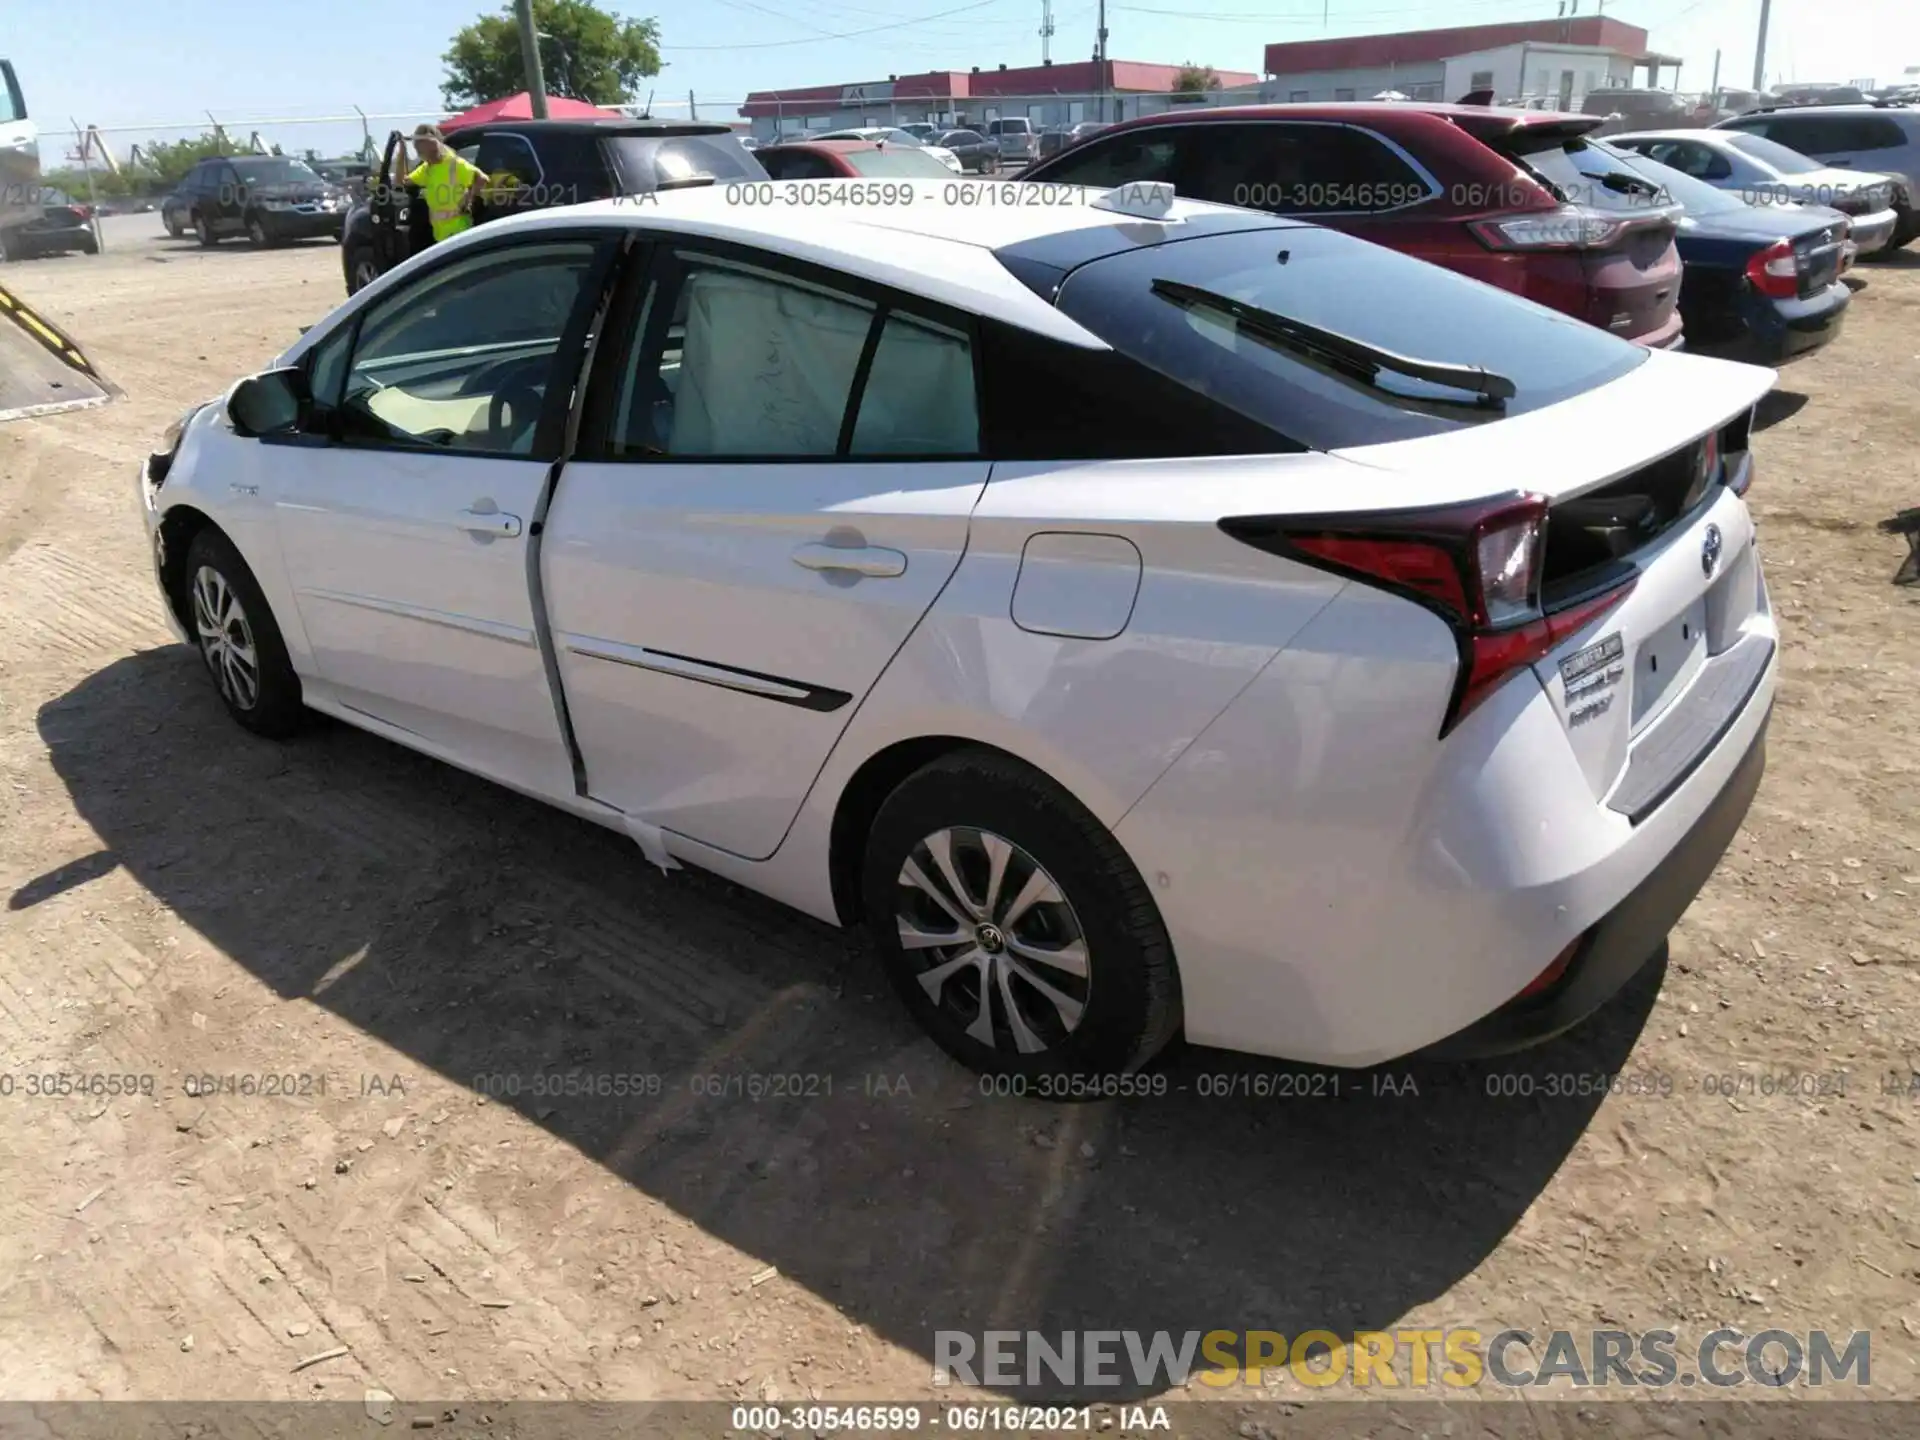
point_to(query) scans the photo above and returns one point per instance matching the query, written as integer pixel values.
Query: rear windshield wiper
(1344, 352)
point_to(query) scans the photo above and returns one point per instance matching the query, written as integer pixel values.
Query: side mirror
(269, 403)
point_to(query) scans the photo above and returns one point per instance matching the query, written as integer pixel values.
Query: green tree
(591, 55)
(1191, 79)
(168, 161)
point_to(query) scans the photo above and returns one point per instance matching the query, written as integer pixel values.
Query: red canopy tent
(520, 107)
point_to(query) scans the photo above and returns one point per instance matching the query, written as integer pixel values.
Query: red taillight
(1774, 272)
(1566, 228)
(1476, 566)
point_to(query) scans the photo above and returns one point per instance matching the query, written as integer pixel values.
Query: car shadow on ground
(479, 933)
(1777, 405)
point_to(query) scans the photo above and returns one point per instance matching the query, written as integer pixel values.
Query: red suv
(1516, 198)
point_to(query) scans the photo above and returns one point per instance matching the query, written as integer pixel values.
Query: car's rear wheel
(1013, 925)
(238, 639)
(203, 232)
(1906, 227)
(362, 269)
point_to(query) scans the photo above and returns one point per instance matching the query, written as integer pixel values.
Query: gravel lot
(183, 899)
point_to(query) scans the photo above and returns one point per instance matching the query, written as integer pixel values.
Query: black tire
(1906, 228)
(1129, 997)
(203, 232)
(274, 707)
(90, 246)
(174, 227)
(362, 268)
(258, 235)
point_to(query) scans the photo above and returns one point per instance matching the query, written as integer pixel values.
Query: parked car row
(1717, 236)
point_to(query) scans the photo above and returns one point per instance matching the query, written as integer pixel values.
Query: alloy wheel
(226, 638)
(1000, 948)
(256, 232)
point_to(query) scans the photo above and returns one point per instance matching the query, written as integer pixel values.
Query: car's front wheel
(1014, 926)
(238, 638)
(173, 225)
(257, 234)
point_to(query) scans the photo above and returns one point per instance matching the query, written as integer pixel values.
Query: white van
(19, 154)
(1014, 137)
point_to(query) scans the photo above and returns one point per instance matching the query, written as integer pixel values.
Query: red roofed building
(1046, 94)
(1551, 61)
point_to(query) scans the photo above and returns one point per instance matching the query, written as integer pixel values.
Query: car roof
(585, 125)
(1370, 110)
(832, 147)
(940, 249)
(1713, 134)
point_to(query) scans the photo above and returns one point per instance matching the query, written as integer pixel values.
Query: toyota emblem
(1710, 551)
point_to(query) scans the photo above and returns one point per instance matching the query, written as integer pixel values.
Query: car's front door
(403, 531)
(774, 483)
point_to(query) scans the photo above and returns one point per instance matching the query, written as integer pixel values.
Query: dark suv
(267, 198)
(1517, 198)
(538, 164)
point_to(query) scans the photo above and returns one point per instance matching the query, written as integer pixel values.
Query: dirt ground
(181, 899)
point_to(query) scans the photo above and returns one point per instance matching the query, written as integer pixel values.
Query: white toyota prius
(1148, 618)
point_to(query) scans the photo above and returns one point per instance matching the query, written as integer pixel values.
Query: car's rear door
(773, 484)
(404, 511)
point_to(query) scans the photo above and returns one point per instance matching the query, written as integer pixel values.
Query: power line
(844, 34)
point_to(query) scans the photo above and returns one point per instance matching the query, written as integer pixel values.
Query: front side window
(13, 105)
(737, 361)
(1298, 170)
(461, 359)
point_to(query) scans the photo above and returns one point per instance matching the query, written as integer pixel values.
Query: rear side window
(1296, 169)
(1345, 285)
(1148, 155)
(898, 160)
(649, 162)
(796, 165)
(1047, 400)
(508, 159)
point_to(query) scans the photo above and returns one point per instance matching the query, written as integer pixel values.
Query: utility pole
(530, 58)
(1713, 92)
(692, 114)
(1046, 31)
(1760, 49)
(1100, 59)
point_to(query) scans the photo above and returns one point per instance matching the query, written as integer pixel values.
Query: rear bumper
(1873, 233)
(1632, 933)
(1779, 330)
(292, 225)
(1342, 890)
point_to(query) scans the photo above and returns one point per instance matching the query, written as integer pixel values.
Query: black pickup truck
(535, 165)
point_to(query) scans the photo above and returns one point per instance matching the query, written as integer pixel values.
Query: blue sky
(159, 64)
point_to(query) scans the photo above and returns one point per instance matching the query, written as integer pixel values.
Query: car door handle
(490, 522)
(873, 561)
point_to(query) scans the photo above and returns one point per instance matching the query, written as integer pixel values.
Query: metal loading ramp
(42, 370)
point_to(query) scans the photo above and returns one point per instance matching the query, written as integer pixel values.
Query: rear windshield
(896, 160)
(1592, 175)
(1698, 197)
(1769, 152)
(1343, 284)
(647, 162)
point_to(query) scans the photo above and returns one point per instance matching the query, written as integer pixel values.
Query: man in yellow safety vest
(447, 183)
